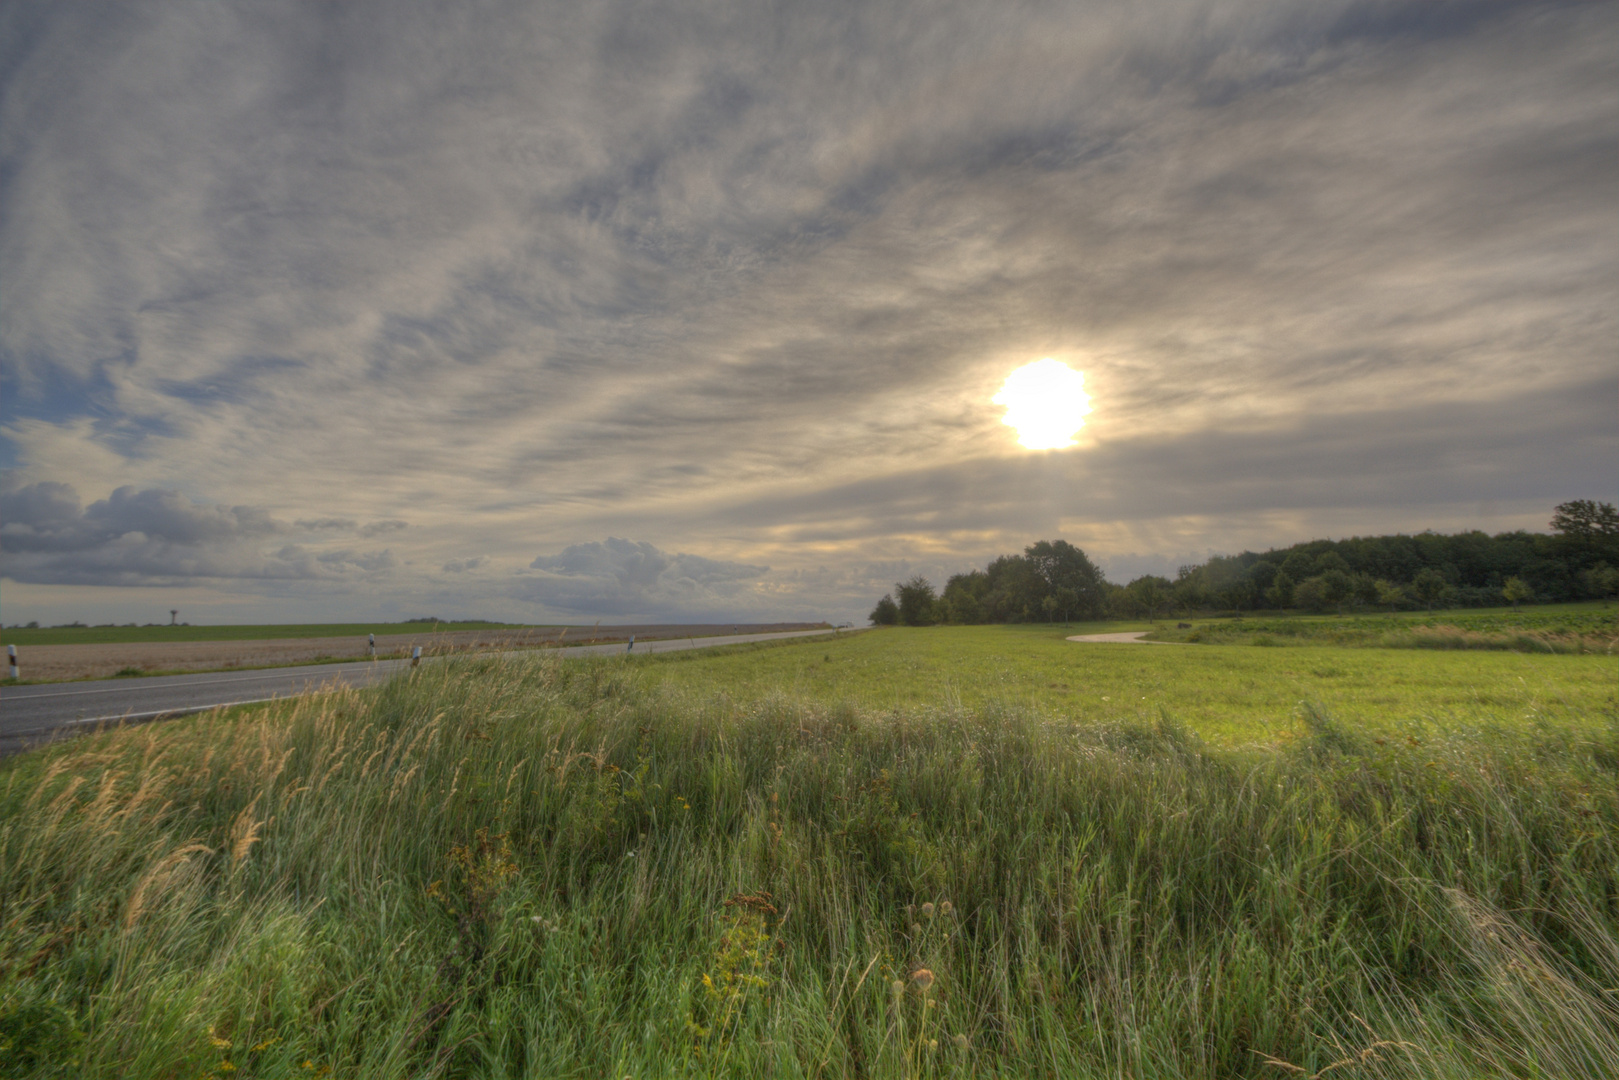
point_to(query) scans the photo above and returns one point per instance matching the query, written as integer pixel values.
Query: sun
(1046, 402)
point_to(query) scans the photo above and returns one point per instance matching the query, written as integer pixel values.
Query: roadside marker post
(373, 640)
(631, 646)
(416, 656)
(11, 653)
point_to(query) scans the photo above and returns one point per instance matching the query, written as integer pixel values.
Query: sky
(555, 312)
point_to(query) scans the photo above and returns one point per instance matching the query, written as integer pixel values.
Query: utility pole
(174, 616)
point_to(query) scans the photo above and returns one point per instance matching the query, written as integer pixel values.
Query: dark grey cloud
(48, 517)
(155, 537)
(741, 279)
(620, 577)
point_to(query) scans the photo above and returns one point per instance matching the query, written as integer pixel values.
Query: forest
(1054, 580)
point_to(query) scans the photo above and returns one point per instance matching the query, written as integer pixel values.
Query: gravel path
(1130, 637)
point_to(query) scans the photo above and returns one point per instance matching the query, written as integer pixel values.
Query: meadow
(1228, 696)
(944, 852)
(1560, 628)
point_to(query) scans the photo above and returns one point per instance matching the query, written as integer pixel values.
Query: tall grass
(1576, 629)
(546, 869)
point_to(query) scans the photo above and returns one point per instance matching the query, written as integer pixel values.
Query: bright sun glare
(1046, 402)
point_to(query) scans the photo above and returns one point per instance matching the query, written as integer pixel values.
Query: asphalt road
(32, 715)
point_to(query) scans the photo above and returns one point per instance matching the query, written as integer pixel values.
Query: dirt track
(53, 663)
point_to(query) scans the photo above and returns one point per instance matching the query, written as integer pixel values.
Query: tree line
(1052, 579)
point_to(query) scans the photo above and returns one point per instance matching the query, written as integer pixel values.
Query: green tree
(963, 599)
(1329, 561)
(1516, 591)
(1364, 588)
(1336, 587)
(1311, 594)
(1280, 593)
(1390, 594)
(886, 613)
(1601, 580)
(1014, 586)
(1298, 565)
(1061, 565)
(1586, 520)
(1191, 589)
(917, 602)
(1148, 593)
(1429, 586)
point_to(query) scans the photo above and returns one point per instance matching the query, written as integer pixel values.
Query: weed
(738, 986)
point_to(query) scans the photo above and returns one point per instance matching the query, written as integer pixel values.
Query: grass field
(1227, 695)
(109, 635)
(923, 853)
(1561, 628)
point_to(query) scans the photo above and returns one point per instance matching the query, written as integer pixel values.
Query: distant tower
(174, 616)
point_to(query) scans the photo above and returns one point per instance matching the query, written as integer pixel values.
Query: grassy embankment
(1560, 628)
(607, 868)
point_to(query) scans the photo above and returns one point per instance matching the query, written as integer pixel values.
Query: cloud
(154, 536)
(742, 279)
(461, 566)
(626, 577)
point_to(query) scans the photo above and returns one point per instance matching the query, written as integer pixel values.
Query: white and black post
(416, 656)
(11, 654)
(373, 641)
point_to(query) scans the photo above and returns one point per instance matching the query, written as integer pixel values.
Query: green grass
(111, 635)
(1561, 628)
(719, 867)
(1229, 695)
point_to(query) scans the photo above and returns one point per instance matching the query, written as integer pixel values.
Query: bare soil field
(60, 663)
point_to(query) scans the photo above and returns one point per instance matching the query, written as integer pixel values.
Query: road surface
(31, 715)
(1128, 637)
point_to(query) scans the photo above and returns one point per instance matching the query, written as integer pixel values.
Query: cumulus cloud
(461, 566)
(620, 577)
(154, 536)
